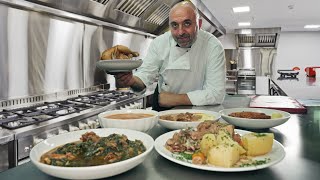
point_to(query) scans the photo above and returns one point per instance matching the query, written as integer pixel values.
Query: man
(190, 63)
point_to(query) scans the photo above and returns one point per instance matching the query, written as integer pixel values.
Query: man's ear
(200, 23)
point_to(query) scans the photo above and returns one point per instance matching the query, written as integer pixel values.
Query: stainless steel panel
(4, 81)
(5, 136)
(6, 139)
(4, 160)
(41, 54)
(248, 58)
(209, 17)
(265, 66)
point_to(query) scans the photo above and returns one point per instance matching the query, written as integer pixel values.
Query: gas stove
(21, 117)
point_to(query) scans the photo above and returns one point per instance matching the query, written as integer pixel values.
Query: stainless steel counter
(299, 136)
(302, 87)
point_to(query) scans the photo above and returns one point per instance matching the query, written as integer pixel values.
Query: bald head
(185, 5)
(184, 23)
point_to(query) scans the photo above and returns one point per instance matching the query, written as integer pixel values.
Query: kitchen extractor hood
(257, 37)
(149, 16)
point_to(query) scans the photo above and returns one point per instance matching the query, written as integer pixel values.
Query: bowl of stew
(135, 119)
(91, 153)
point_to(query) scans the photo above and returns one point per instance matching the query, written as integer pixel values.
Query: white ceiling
(267, 13)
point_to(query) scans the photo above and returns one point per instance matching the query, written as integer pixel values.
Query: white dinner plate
(91, 172)
(183, 125)
(276, 155)
(254, 123)
(119, 65)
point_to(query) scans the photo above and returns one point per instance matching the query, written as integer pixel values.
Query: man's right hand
(124, 79)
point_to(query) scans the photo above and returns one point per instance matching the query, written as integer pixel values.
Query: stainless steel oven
(246, 81)
(6, 144)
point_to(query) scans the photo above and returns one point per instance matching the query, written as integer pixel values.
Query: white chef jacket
(198, 71)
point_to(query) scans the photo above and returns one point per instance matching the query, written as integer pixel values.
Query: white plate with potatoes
(274, 156)
(255, 118)
(119, 65)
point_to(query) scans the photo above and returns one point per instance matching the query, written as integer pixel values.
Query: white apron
(182, 74)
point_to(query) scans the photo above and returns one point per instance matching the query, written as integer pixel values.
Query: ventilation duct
(257, 37)
(148, 16)
(134, 8)
(160, 15)
(104, 2)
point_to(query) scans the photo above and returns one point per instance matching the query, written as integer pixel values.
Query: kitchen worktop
(302, 87)
(299, 135)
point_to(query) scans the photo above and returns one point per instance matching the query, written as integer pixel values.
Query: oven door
(246, 84)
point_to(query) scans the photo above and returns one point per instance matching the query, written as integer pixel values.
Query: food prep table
(299, 136)
(299, 87)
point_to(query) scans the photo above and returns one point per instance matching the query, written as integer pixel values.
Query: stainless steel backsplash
(42, 53)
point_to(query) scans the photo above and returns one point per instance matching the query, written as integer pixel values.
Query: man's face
(183, 26)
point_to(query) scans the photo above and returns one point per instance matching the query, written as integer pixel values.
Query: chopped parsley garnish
(260, 134)
(182, 156)
(256, 163)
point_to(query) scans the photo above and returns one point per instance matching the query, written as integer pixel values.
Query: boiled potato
(276, 115)
(224, 155)
(225, 138)
(257, 143)
(208, 141)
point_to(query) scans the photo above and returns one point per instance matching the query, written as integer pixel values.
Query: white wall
(228, 41)
(300, 49)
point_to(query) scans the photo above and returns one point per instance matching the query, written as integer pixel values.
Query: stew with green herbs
(93, 150)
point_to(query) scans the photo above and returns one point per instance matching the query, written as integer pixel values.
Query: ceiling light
(244, 24)
(241, 9)
(311, 26)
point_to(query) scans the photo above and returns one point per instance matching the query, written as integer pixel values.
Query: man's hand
(167, 99)
(124, 79)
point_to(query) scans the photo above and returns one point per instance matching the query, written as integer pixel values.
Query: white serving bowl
(91, 172)
(143, 124)
(181, 124)
(254, 123)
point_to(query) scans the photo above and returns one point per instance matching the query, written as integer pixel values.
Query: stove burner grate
(17, 122)
(103, 98)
